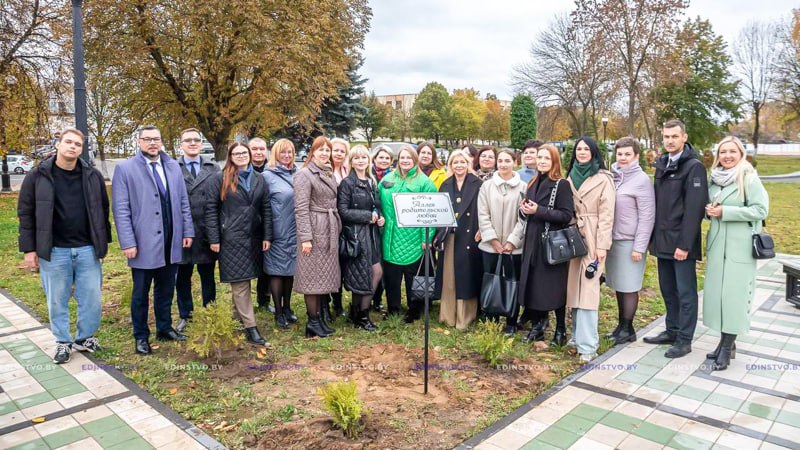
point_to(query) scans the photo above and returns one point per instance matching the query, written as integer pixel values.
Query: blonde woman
(361, 216)
(739, 204)
(339, 150)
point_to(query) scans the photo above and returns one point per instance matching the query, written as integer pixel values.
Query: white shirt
(159, 171)
(674, 159)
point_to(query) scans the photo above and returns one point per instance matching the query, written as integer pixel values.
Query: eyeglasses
(148, 140)
(192, 140)
(258, 148)
(240, 154)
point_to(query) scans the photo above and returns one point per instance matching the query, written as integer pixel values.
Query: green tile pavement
(725, 401)
(662, 385)
(683, 441)
(759, 410)
(65, 437)
(574, 424)
(621, 422)
(4, 323)
(133, 444)
(538, 445)
(38, 444)
(634, 376)
(592, 413)
(692, 392)
(557, 437)
(7, 407)
(103, 425)
(655, 433)
(33, 400)
(788, 418)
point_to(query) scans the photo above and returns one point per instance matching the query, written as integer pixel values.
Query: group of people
(331, 225)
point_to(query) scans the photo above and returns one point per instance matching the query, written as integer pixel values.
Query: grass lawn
(271, 400)
(777, 165)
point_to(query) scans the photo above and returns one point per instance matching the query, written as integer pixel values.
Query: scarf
(327, 169)
(427, 169)
(379, 174)
(620, 173)
(582, 171)
(244, 177)
(723, 177)
(484, 175)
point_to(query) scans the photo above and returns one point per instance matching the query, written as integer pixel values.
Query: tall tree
(755, 55)
(466, 115)
(340, 113)
(374, 117)
(788, 67)
(496, 122)
(523, 120)
(708, 95)
(630, 30)
(431, 111)
(399, 126)
(218, 65)
(109, 112)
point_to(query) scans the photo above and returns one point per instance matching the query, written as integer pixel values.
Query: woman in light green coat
(739, 203)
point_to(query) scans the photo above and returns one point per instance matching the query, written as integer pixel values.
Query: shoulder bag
(563, 244)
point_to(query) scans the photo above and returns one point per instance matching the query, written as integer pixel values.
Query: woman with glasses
(318, 228)
(485, 163)
(528, 170)
(239, 228)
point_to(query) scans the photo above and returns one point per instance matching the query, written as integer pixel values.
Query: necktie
(161, 189)
(194, 171)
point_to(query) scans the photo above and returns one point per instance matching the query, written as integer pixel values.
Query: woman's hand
(478, 236)
(508, 247)
(528, 207)
(215, 248)
(636, 256)
(305, 248)
(714, 211)
(374, 217)
(381, 221)
(601, 255)
(496, 246)
(265, 246)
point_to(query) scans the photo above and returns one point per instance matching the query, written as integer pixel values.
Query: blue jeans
(67, 267)
(163, 280)
(584, 329)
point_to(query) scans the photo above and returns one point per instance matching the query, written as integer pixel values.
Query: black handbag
(563, 244)
(499, 292)
(763, 245)
(422, 285)
(349, 245)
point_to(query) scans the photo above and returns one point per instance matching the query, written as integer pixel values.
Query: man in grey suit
(154, 223)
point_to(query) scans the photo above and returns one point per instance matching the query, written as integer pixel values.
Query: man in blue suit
(154, 223)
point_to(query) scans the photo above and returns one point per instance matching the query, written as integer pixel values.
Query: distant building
(406, 101)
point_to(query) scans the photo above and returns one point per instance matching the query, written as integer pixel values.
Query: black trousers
(262, 290)
(678, 281)
(512, 264)
(394, 276)
(183, 286)
(163, 280)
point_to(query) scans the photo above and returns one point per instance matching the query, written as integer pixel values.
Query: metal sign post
(424, 210)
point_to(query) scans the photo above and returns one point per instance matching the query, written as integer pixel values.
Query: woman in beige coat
(318, 228)
(593, 190)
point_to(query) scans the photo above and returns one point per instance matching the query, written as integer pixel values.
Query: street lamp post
(605, 144)
(78, 74)
(5, 177)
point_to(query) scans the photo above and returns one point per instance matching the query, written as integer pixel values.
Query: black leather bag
(763, 245)
(499, 291)
(563, 244)
(349, 245)
(422, 285)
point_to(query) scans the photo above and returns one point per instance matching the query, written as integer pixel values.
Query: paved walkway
(635, 398)
(85, 404)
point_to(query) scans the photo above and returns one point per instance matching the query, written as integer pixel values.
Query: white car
(19, 164)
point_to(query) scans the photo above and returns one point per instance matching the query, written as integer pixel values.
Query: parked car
(19, 164)
(44, 152)
(208, 151)
(395, 146)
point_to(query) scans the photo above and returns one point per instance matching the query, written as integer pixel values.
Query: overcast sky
(475, 43)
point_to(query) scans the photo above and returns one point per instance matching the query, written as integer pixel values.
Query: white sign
(424, 209)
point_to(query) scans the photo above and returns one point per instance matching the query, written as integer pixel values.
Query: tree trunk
(631, 109)
(757, 125)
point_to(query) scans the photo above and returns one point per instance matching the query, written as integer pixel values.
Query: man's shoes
(170, 335)
(63, 352)
(181, 325)
(509, 330)
(90, 344)
(143, 347)
(665, 337)
(678, 350)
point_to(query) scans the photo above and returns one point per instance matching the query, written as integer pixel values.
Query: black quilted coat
(356, 200)
(239, 224)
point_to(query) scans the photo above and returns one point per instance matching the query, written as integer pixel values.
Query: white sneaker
(586, 357)
(90, 344)
(571, 342)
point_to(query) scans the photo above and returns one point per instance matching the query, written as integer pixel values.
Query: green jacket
(730, 267)
(402, 246)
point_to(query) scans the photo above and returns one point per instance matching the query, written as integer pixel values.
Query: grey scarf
(723, 177)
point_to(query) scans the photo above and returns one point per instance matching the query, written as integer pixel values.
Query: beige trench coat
(594, 210)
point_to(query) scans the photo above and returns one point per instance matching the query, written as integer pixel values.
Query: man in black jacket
(260, 154)
(64, 230)
(681, 196)
(197, 174)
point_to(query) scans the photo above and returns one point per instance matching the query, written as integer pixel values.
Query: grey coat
(317, 222)
(281, 258)
(198, 187)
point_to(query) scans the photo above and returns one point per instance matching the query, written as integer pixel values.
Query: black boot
(354, 313)
(290, 316)
(726, 352)
(613, 334)
(626, 333)
(280, 319)
(314, 327)
(325, 311)
(338, 309)
(538, 328)
(715, 353)
(324, 323)
(414, 312)
(559, 336)
(363, 321)
(377, 305)
(254, 337)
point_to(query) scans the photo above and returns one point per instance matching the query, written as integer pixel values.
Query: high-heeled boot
(314, 327)
(363, 321)
(559, 336)
(538, 328)
(715, 353)
(325, 312)
(626, 333)
(726, 352)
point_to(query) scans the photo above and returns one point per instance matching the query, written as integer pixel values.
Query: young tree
(523, 120)
(708, 92)
(219, 65)
(496, 122)
(431, 111)
(399, 126)
(340, 113)
(374, 118)
(109, 113)
(755, 56)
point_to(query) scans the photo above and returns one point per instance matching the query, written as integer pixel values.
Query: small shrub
(490, 341)
(213, 330)
(341, 400)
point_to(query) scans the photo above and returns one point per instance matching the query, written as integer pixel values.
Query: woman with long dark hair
(485, 163)
(361, 216)
(318, 228)
(280, 261)
(430, 165)
(595, 198)
(543, 287)
(239, 228)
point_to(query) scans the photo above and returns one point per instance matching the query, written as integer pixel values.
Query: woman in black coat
(239, 228)
(360, 211)
(543, 287)
(460, 270)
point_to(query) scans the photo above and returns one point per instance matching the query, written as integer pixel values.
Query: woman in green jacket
(739, 203)
(402, 247)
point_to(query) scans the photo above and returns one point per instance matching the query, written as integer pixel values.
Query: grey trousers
(243, 303)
